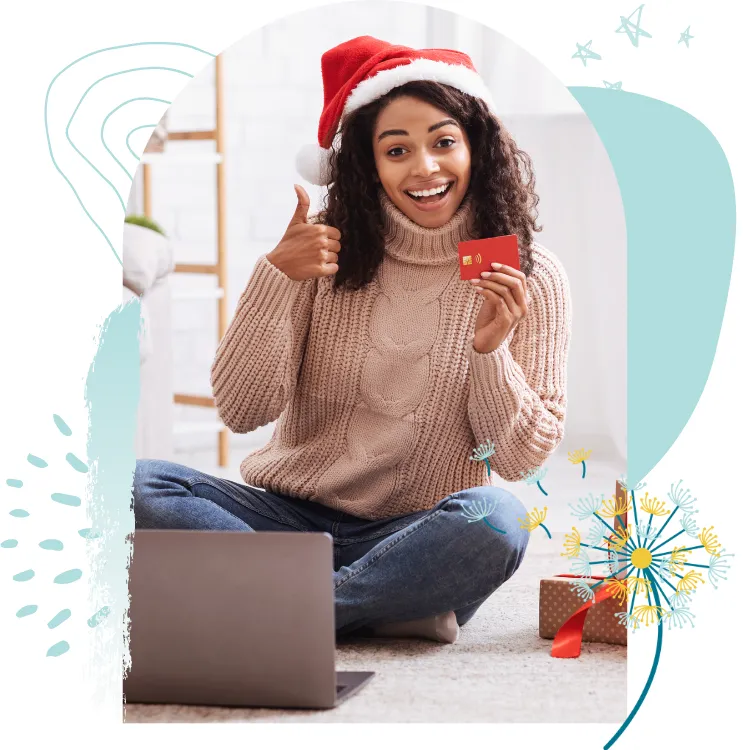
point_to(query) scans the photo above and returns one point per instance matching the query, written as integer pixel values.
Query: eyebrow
(437, 125)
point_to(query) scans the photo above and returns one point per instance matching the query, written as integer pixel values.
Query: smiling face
(423, 160)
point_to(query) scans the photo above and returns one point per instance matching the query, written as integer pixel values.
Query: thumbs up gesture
(306, 250)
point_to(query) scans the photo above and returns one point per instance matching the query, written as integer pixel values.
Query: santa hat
(362, 70)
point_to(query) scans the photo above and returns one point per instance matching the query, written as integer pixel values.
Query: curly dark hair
(501, 177)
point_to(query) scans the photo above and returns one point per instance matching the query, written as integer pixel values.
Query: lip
(428, 207)
(429, 185)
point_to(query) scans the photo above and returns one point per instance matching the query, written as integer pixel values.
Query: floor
(498, 671)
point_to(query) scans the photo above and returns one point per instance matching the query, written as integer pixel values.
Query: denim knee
(492, 517)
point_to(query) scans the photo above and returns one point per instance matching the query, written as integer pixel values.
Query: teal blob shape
(19, 513)
(58, 649)
(36, 461)
(62, 498)
(14, 483)
(51, 544)
(60, 422)
(69, 576)
(25, 575)
(678, 196)
(9, 543)
(97, 617)
(58, 619)
(89, 533)
(76, 463)
(29, 609)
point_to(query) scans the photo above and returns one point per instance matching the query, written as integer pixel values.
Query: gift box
(568, 619)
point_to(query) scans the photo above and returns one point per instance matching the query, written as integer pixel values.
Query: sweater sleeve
(256, 366)
(517, 392)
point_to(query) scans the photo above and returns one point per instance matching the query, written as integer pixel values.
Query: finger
(504, 293)
(331, 258)
(511, 272)
(334, 246)
(328, 269)
(303, 206)
(511, 282)
(333, 233)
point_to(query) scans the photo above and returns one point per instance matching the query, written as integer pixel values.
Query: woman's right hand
(306, 251)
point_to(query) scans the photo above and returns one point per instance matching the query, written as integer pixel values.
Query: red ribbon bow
(567, 641)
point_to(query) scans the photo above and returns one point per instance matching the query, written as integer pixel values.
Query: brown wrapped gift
(558, 600)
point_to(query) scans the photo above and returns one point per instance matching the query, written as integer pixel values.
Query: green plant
(144, 221)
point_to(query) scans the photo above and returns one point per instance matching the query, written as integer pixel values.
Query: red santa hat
(362, 70)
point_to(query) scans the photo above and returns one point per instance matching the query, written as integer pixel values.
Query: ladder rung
(193, 135)
(185, 398)
(195, 268)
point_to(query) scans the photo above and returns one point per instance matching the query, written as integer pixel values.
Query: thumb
(303, 206)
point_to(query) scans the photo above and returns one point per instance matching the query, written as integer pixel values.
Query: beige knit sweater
(379, 394)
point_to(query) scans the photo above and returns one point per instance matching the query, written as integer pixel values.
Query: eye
(395, 148)
(450, 141)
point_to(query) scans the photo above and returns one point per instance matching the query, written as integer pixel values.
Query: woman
(383, 368)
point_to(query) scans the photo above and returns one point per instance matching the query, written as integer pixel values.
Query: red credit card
(475, 256)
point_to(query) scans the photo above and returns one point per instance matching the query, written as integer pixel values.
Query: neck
(410, 242)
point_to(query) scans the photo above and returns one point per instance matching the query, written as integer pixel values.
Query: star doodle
(685, 37)
(585, 53)
(633, 28)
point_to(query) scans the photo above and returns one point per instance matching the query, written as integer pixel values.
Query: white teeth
(425, 193)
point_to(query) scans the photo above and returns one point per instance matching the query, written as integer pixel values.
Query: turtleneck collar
(408, 241)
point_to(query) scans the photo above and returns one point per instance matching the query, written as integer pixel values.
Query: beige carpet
(498, 671)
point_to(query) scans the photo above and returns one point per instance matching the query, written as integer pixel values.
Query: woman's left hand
(504, 292)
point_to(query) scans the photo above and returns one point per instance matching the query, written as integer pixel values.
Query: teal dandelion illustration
(483, 453)
(98, 617)
(40, 463)
(579, 457)
(16, 483)
(19, 513)
(29, 609)
(535, 477)
(616, 86)
(479, 510)
(649, 563)
(24, 575)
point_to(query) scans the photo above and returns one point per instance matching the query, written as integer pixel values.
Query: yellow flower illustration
(647, 614)
(677, 559)
(620, 538)
(639, 585)
(535, 519)
(690, 581)
(618, 587)
(576, 457)
(615, 506)
(653, 506)
(572, 543)
(710, 541)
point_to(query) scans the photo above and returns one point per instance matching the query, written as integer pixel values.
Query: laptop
(233, 618)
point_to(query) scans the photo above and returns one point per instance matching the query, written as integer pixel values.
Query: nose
(425, 165)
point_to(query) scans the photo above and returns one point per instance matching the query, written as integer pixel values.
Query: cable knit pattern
(379, 393)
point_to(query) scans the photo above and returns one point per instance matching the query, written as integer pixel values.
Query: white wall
(273, 99)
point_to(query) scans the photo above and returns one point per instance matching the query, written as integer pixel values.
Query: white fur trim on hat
(458, 76)
(312, 164)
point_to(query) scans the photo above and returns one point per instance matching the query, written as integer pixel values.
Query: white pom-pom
(312, 164)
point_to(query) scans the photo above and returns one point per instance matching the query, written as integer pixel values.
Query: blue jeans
(388, 570)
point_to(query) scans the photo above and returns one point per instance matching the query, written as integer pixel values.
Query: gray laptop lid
(199, 635)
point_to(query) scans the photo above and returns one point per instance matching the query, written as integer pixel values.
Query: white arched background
(273, 99)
